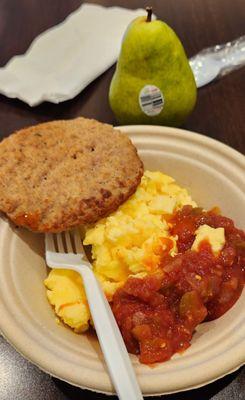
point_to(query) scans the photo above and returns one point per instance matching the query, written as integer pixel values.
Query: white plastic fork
(65, 251)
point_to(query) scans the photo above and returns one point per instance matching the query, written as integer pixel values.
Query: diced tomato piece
(191, 308)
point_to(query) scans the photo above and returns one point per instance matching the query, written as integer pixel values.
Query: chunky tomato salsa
(158, 314)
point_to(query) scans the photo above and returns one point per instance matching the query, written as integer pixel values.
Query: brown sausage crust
(60, 174)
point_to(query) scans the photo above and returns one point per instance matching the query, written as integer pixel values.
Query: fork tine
(60, 243)
(78, 241)
(68, 242)
(49, 242)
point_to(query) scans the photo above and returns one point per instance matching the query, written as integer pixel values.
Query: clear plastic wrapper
(214, 62)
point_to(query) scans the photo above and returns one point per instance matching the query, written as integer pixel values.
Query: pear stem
(149, 14)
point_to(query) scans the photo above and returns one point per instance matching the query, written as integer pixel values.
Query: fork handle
(110, 338)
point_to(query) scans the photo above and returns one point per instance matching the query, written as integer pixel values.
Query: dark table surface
(219, 114)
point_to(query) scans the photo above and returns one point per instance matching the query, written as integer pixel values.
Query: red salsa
(158, 314)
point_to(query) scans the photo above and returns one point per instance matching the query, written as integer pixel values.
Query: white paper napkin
(62, 61)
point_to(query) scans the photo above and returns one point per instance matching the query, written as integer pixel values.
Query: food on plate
(158, 314)
(125, 243)
(153, 82)
(165, 265)
(60, 174)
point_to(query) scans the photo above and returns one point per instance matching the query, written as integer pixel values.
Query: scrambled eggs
(123, 244)
(215, 236)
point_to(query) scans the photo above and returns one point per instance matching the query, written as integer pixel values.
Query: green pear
(153, 82)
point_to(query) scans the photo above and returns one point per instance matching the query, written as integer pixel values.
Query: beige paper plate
(214, 174)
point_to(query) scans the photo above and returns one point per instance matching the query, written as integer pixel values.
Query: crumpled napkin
(62, 61)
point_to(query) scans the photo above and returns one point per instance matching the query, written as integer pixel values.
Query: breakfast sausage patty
(56, 175)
